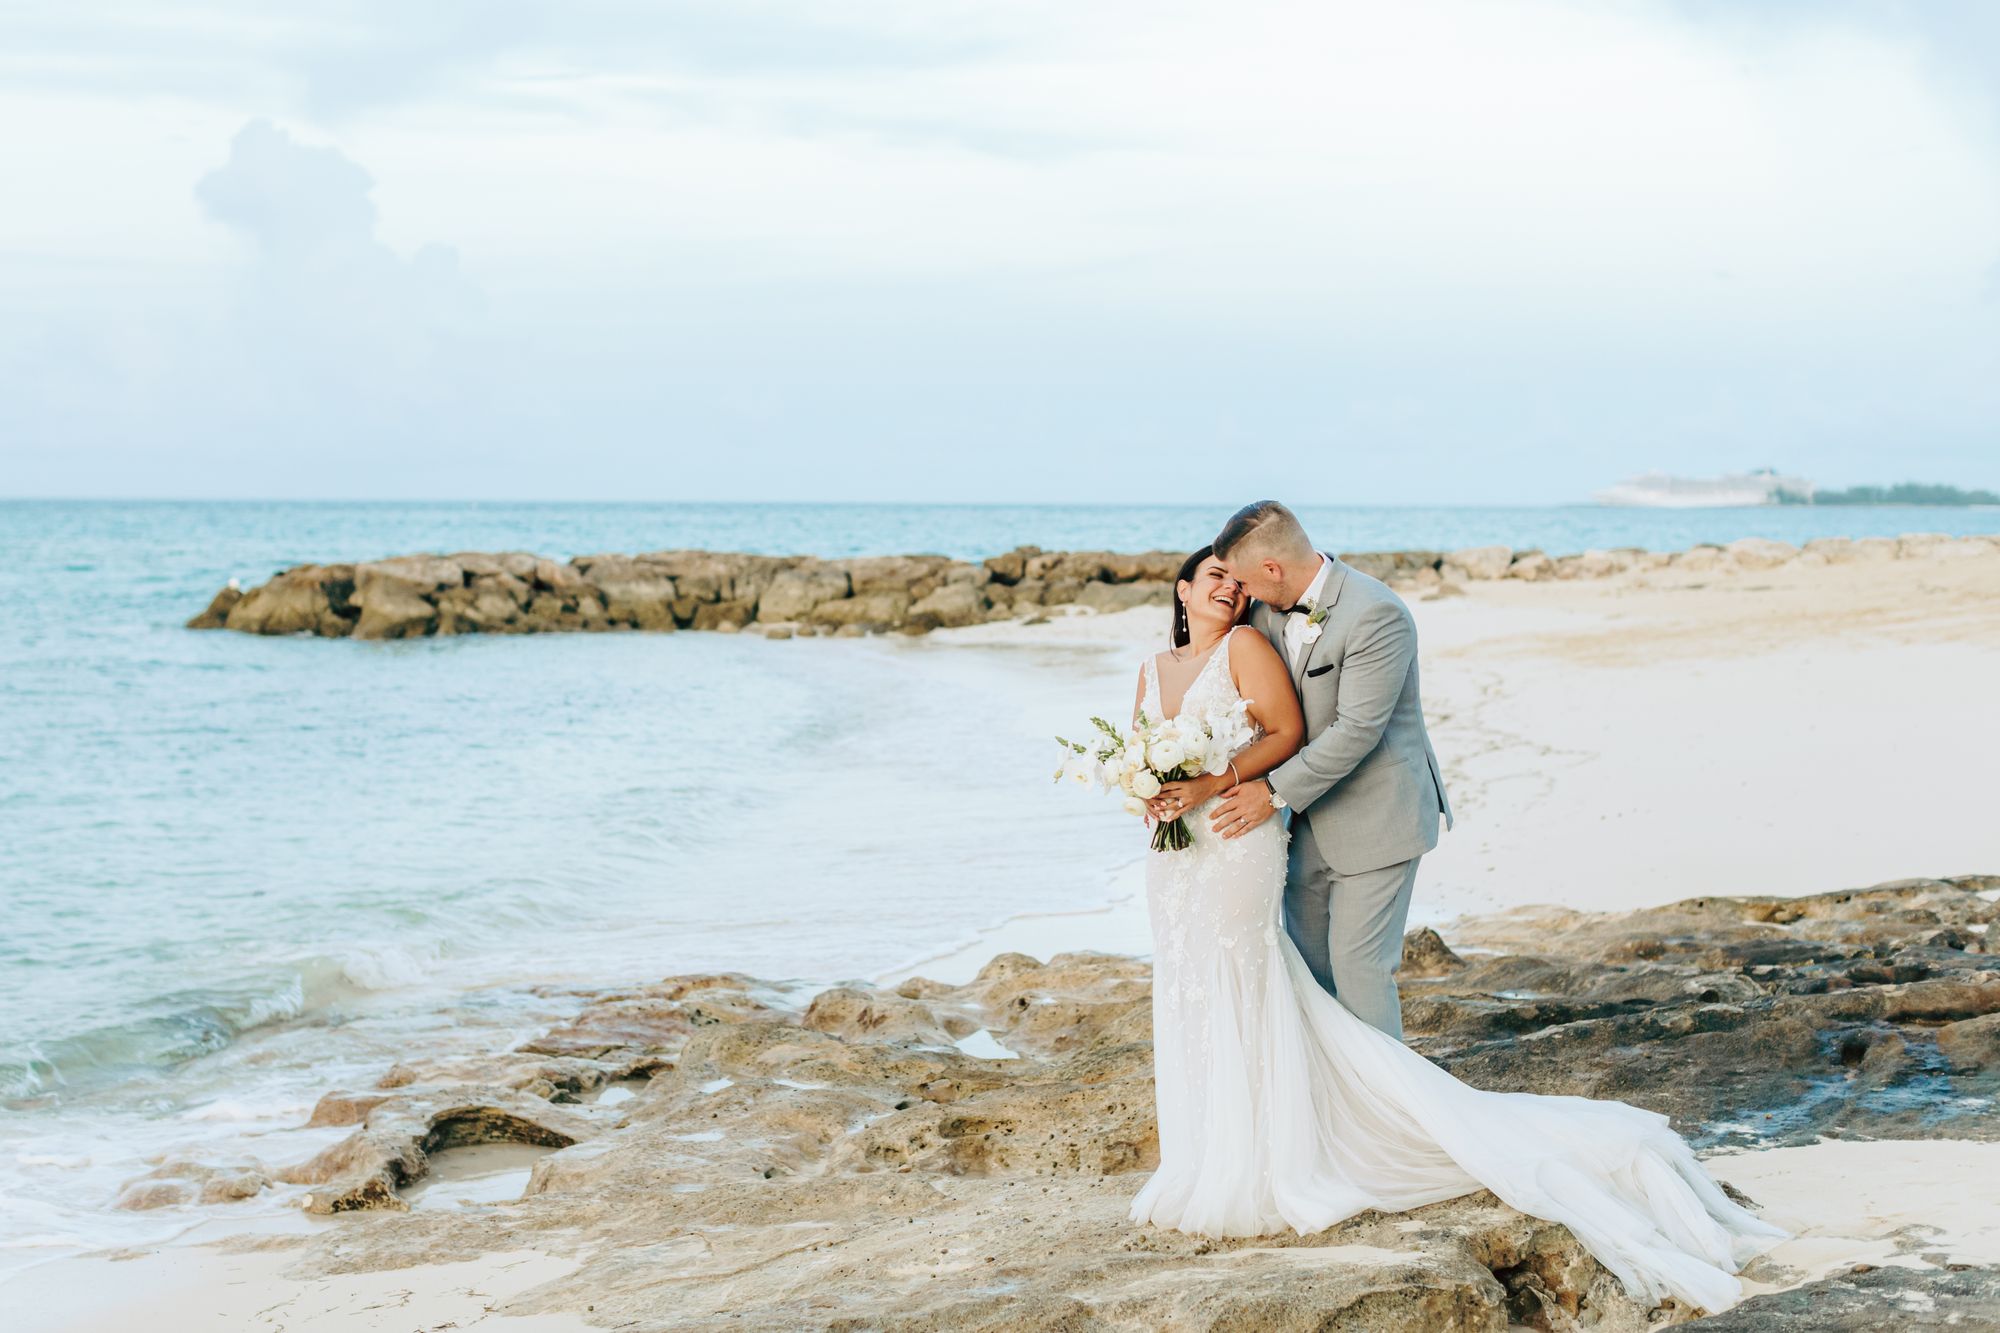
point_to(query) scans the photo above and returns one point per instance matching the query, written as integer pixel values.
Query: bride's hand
(1177, 798)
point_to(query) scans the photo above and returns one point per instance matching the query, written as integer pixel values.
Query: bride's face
(1212, 598)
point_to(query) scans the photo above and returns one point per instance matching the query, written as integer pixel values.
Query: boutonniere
(1315, 618)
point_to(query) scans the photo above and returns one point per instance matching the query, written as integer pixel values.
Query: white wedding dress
(1278, 1108)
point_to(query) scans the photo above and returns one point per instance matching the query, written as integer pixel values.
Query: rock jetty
(726, 1153)
(513, 592)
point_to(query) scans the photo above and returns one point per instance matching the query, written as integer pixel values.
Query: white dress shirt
(1295, 623)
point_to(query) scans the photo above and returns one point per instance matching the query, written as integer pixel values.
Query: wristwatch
(1277, 801)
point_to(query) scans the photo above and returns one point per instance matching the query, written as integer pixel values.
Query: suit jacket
(1366, 782)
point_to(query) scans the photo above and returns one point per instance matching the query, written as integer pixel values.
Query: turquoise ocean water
(235, 872)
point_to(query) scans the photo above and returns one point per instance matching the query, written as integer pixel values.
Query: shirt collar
(1317, 588)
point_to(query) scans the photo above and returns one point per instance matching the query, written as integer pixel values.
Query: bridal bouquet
(1137, 762)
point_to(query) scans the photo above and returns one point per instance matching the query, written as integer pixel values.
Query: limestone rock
(864, 1015)
(723, 615)
(397, 597)
(392, 1147)
(1531, 566)
(306, 599)
(1803, 1010)
(1917, 545)
(1831, 550)
(514, 592)
(1704, 559)
(1106, 597)
(496, 600)
(1392, 566)
(216, 615)
(1972, 1043)
(1761, 553)
(881, 610)
(1869, 1299)
(954, 604)
(916, 575)
(1483, 562)
(1425, 954)
(344, 1108)
(1589, 565)
(795, 593)
(634, 592)
(842, 1163)
(1012, 567)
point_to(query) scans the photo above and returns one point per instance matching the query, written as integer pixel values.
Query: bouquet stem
(1172, 835)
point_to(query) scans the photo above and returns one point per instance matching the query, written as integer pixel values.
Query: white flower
(1145, 785)
(1313, 631)
(1218, 764)
(1135, 806)
(1078, 769)
(1195, 742)
(1166, 754)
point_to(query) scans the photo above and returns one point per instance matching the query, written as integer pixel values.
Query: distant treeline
(1903, 493)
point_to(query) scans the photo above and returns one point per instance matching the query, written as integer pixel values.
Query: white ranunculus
(1195, 742)
(1145, 785)
(1166, 754)
(1135, 806)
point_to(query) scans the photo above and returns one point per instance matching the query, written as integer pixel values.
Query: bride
(1279, 1108)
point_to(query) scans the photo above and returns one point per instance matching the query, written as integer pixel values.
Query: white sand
(1923, 1203)
(200, 1289)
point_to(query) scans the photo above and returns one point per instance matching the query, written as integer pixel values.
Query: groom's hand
(1243, 808)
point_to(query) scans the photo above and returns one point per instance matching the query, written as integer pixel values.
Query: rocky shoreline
(724, 1152)
(513, 592)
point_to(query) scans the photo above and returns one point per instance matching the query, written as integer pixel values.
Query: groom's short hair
(1263, 528)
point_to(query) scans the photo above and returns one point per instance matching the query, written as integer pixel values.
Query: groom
(1364, 791)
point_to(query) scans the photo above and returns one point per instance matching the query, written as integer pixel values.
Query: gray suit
(1365, 791)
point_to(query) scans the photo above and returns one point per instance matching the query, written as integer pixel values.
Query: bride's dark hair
(1181, 635)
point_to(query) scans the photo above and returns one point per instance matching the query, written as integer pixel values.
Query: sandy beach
(1610, 744)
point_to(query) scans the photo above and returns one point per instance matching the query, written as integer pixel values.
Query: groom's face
(1262, 579)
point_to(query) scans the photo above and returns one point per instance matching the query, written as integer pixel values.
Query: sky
(1429, 252)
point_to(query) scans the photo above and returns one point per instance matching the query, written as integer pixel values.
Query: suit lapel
(1336, 578)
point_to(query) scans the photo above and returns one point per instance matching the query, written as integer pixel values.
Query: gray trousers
(1350, 929)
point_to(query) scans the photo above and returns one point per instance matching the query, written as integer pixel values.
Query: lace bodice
(1212, 690)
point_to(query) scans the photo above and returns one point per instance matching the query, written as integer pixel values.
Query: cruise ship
(1657, 490)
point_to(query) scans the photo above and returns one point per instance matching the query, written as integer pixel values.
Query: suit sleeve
(1373, 667)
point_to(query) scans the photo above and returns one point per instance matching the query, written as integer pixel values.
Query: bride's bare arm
(1248, 804)
(1261, 678)
(1139, 699)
